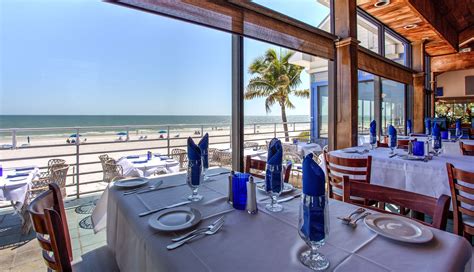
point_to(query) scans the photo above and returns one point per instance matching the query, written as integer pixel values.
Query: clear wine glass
(436, 144)
(205, 166)
(313, 230)
(274, 186)
(194, 179)
(373, 141)
(458, 134)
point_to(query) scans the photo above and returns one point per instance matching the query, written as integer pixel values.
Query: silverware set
(348, 220)
(286, 199)
(209, 230)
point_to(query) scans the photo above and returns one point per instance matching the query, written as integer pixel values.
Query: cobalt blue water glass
(444, 134)
(149, 156)
(418, 148)
(239, 190)
(1, 171)
(194, 179)
(313, 228)
(274, 186)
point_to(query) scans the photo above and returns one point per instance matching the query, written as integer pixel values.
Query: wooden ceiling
(440, 22)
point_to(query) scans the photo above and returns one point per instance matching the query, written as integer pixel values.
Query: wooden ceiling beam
(429, 11)
(452, 62)
(466, 37)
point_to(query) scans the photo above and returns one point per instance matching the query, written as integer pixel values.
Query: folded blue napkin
(427, 126)
(24, 169)
(436, 134)
(392, 133)
(204, 146)
(145, 161)
(314, 200)
(373, 132)
(409, 127)
(274, 161)
(133, 157)
(458, 128)
(18, 175)
(194, 161)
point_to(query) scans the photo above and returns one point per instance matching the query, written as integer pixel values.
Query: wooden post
(346, 94)
(419, 107)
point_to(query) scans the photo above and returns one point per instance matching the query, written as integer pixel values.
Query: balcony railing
(82, 155)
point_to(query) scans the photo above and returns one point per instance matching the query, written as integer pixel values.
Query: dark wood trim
(375, 64)
(452, 62)
(466, 37)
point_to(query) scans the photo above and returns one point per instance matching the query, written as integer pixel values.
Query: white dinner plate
(175, 219)
(131, 182)
(398, 228)
(286, 188)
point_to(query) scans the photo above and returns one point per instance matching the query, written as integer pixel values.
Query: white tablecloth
(258, 154)
(427, 178)
(449, 147)
(14, 189)
(262, 242)
(148, 167)
(308, 148)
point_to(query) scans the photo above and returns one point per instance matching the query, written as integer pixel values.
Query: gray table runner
(262, 242)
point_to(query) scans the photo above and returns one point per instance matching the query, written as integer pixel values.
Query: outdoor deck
(22, 253)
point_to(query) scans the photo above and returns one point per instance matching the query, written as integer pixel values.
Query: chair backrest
(379, 144)
(467, 150)
(53, 162)
(404, 143)
(358, 169)
(180, 155)
(437, 208)
(292, 157)
(59, 174)
(257, 168)
(289, 148)
(224, 158)
(103, 159)
(50, 224)
(112, 171)
(460, 193)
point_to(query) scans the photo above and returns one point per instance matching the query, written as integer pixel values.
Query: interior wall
(454, 83)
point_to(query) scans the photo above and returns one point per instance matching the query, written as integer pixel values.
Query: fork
(198, 230)
(346, 220)
(354, 222)
(212, 231)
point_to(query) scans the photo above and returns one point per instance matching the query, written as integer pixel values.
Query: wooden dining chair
(359, 169)
(467, 150)
(463, 197)
(404, 143)
(436, 208)
(257, 168)
(380, 144)
(52, 232)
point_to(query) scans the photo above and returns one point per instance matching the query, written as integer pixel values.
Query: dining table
(264, 241)
(15, 182)
(148, 167)
(428, 178)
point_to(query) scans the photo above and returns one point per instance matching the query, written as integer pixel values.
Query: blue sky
(90, 57)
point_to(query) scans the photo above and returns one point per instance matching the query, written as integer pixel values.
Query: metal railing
(85, 146)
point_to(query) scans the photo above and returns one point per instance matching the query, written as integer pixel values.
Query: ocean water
(101, 121)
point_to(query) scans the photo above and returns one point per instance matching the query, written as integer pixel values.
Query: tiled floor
(22, 253)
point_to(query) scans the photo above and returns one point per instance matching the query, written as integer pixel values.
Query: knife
(164, 208)
(288, 198)
(218, 174)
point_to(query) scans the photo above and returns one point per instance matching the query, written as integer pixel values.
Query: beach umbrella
(75, 135)
(162, 131)
(122, 133)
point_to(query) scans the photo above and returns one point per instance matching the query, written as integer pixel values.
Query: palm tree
(275, 79)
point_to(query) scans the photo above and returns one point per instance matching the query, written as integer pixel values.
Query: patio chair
(297, 166)
(212, 157)
(50, 224)
(112, 171)
(436, 208)
(257, 168)
(38, 186)
(223, 158)
(103, 159)
(336, 168)
(180, 155)
(379, 144)
(289, 148)
(467, 150)
(463, 199)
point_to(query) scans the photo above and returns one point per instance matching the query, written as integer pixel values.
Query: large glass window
(312, 12)
(367, 34)
(394, 49)
(393, 106)
(366, 101)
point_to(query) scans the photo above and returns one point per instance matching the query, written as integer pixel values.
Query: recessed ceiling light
(410, 26)
(381, 3)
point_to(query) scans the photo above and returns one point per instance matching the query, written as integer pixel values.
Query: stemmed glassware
(458, 134)
(313, 228)
(373, 141)
(205, 166)
(392, 143)
(194, 179)
(274, 186)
